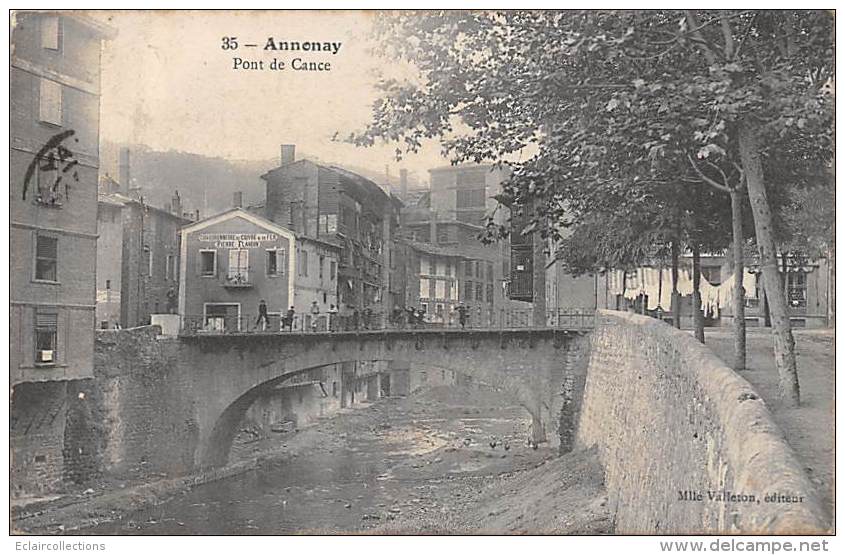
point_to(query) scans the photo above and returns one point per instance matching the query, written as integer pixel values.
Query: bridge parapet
(274, 324)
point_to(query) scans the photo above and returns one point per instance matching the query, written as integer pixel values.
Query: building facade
(341, 208)
(137, 258)
(233, 261)
(54, 91)
(446, 262)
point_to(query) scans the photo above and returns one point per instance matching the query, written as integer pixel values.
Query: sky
(168, 84)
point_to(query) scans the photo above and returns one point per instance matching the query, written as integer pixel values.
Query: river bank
(447, 460)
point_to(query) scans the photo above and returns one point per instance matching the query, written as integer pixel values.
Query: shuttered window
(239, 265)
(50, 102)
(46, 258)
(50, 32)
(275, 262)
(46, 333)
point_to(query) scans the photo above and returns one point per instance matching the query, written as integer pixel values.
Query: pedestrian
(171, 300)
(463, 314)
(368, 317)
(396, 316)
(315, 315)
(333, 312)
(289, 316)
(262, 315)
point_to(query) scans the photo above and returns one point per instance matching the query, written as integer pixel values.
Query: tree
(617, 102)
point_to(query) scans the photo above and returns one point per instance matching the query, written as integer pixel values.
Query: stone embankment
(687, 445)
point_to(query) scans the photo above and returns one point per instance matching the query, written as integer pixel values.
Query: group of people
(351, 318)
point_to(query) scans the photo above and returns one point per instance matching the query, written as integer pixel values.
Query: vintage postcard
(420, 272)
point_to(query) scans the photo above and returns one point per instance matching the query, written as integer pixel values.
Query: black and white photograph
(418, 272)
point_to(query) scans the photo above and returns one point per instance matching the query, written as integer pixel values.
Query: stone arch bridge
(541, 368)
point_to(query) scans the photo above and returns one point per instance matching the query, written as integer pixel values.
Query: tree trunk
(831, 282)
(539, 278)
(764, 302)
(739, 291)
(676, 297)
(697, 314)
(784, 344)
(623, 301)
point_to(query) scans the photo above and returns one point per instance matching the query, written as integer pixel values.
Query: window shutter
(50, 102)
(46, 319)
(50, 32)
(47, 247)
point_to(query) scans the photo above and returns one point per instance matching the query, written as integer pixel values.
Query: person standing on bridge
(315, 315)
(463, 314)
(333, 312)
(262, 315)
(289, 319)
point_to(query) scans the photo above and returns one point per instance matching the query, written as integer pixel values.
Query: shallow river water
(397, 456)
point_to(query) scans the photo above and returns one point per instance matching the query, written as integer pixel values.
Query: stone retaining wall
(675, 429)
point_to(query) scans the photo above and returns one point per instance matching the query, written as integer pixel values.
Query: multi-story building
(331, 204)
(446, 262)
(234, 260)
(54, 92)
(137, 255)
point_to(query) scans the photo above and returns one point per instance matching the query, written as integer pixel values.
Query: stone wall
(36, 435)
(674, 426)
(136, 417)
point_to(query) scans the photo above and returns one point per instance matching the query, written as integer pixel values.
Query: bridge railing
(274, 323)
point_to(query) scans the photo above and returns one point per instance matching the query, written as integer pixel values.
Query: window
(332, 270)
(424, 288)
(275, 262)
(474, 217)
(238, 265)
(50, 102)
(334, 389)
(470, 198)
(148, 261)
(424, 265)
(46, 258)
(468, 268)
(168, 267)
(440, 289)
(303, 263)
(108, 284)
(489, 292)
(46, 327)
(489, 271)
(328, 223)
(321, 261)
(208, 262)
(479, 291)
(50, 32)
(796, 289)
(467, 292)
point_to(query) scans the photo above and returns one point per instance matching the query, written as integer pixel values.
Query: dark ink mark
(53, 156)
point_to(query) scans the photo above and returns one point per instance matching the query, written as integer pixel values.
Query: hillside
(204, 183)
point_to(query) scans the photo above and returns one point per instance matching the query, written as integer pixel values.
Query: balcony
(238, 280)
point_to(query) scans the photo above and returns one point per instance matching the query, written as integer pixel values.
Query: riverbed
(413, 464)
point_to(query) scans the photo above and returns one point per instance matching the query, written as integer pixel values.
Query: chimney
(124, 169)
(403, 183)
(238, 199)
(176, 204)
(288, 154)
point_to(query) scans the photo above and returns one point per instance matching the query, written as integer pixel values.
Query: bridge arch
(233, 370)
